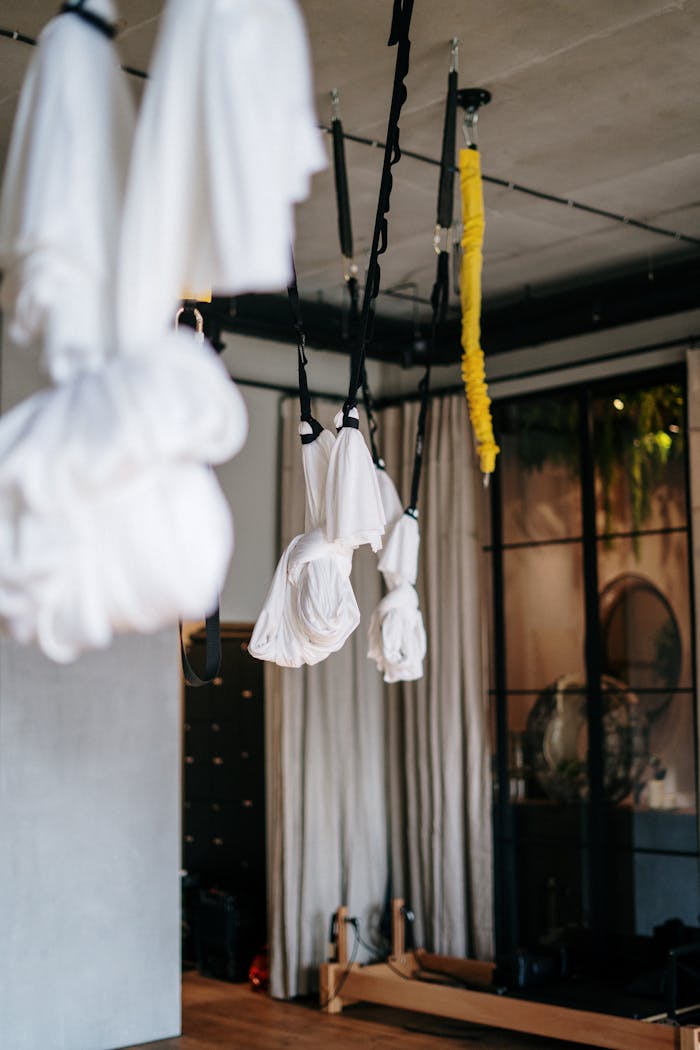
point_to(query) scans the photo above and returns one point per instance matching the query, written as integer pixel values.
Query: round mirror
(641, 640)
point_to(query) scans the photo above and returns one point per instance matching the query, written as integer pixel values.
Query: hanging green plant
(636, 434)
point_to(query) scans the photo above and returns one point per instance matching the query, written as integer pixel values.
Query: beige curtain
(438, 728)
(373, 789)
(327, 810)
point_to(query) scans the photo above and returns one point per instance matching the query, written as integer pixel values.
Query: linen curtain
(374, 790)
(327, 809)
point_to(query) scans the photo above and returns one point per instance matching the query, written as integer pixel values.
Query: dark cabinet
(224, 780)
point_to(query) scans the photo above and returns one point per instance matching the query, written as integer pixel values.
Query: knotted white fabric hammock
(310, 610)
(396, 636)
(110, 516)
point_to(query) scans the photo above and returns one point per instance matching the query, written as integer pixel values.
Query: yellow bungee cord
(473, 372)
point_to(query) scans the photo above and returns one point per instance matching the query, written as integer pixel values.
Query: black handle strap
(212, 661)
(438, 301)
(400, 27)
(302, 361)
(96, 21)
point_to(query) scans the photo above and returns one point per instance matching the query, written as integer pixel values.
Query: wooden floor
(221, 1016)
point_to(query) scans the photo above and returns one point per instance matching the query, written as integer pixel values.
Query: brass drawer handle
(218, 760)
(189, 839)
(247, 694)
(218, 842)
(215, 727)
(244, 647)
(189, 760)
(247, 803)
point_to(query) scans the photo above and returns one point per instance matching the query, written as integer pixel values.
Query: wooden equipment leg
(333, 973)
(398, 930)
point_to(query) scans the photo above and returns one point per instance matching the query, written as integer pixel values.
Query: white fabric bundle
(226, 143)
(354, 510)
(397, 640)
(110, 517)
(310, 610)
(62, 194)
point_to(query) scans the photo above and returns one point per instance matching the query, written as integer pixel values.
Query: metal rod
(551, 198)
(507, 926)
(596, 813)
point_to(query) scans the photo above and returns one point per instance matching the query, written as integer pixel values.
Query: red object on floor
(259, 973)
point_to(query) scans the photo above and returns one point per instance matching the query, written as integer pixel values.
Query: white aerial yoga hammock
(397, 640)
(226, 143)
(110, 517)
(311, 609)
(62, 195)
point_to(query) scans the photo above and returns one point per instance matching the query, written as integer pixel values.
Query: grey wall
(89, 847)
(89, 837)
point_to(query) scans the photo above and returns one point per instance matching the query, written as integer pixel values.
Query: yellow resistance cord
(473, 372)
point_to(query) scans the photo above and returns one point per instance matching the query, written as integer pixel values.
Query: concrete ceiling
(594, 101)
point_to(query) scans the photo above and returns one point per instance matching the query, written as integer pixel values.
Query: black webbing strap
(302, 361)
(342, 196)
(212, 661)
(445, 208)
(400, 27)
(438, 301)
(96, 21)
(441, 289)
(342, 193)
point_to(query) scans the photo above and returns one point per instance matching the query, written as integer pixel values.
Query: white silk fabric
(62, 193)
(310, 610)
(354, 509)
(226, 143)
(111, 518)
(396, 635)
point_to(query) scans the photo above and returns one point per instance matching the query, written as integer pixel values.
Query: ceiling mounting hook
(454, 55)
(335, 104)
(471, 100)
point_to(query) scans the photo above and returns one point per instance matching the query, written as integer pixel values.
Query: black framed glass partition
(593, 670)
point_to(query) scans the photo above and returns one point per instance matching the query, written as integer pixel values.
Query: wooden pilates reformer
(395, 983)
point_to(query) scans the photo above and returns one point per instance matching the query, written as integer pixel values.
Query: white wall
(89, 837)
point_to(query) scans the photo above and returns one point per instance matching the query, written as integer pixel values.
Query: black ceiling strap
(441, 288)
(400, 27)
(438, 301)
(302, 361)
(212, 661)
(77, 7)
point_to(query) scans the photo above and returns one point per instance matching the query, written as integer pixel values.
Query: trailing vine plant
(636, 434)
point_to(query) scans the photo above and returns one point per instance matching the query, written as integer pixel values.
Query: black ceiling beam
(536, 317)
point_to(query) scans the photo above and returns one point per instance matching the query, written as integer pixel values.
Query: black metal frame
(505, 869)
